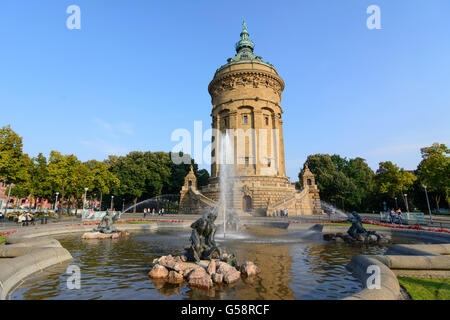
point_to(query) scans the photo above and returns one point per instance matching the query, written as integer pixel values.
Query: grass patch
(2, 239)
(426, 288)
(136, 222)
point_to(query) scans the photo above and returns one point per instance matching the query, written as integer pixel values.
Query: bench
(407, 218)
(414, 218)
(384, 217)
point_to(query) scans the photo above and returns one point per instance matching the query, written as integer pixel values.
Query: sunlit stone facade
(246, 96)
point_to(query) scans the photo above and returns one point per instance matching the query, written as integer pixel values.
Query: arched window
(247, 203)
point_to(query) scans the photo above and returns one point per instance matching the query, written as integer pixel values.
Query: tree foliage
(13, 164)
(434, 171)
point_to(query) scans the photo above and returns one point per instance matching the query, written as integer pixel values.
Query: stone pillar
(282, 169)
(258, 125)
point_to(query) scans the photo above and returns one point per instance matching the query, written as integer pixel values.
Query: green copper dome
(244, 49)
(245, 42)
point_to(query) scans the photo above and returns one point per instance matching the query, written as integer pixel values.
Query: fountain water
(332, 210)
(227, 177)
(155, 200)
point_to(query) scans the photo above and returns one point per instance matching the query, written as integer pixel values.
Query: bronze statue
(106, 224)
(203, 245)
(357, 230)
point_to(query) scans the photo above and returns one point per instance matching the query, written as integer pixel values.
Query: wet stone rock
(329, 236)
(167, 261)
(175, 277)
(200, 278)
(158, 272)
(102, 236)
(211, 269)
(249, 269)
(231, 276)
(217, 278)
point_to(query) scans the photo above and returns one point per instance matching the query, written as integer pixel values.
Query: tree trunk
(61, 207)
(101, 198)
(29, 204)
(135, 201)
(437, 198)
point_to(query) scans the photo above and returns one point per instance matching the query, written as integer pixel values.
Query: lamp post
(7, 201)
(406, 202)
(396, 205)
(85, 195)
(123, 205)
(428, 203)
(54, 207)
(112, 202)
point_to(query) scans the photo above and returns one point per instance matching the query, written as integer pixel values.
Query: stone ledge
(25, 262)
(390, 288)
(422, 259)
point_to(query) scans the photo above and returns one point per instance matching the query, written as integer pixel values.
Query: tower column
(259, 146)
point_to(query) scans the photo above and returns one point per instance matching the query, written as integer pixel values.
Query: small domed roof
(244, 49)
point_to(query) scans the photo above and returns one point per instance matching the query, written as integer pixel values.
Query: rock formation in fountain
(205, 275)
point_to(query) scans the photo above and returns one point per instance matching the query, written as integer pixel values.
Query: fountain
(106, 229)
(332, 211)
(357, 234)
(204, 262)
(227, 178)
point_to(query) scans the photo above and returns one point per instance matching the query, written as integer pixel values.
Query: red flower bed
(6, 233)
(132, 220)
(383, 224)
(397, 226)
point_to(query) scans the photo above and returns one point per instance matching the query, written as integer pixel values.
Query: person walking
(391, 216)
(399, 215)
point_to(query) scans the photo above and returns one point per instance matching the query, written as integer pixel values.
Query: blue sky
(137, 70)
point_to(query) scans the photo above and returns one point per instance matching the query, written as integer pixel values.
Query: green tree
(12, 163)
(132, 171)
(23, 188)
(335, 187)
(359, 172)
(40, 184)
(390, 180)
(81, 177)
(103, 180)
(202, 178)
(434, 171)
(61, 171)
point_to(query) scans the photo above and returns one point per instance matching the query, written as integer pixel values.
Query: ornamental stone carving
(244, 79)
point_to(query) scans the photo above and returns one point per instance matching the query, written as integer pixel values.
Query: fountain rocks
(101, 236)
(203, 275)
